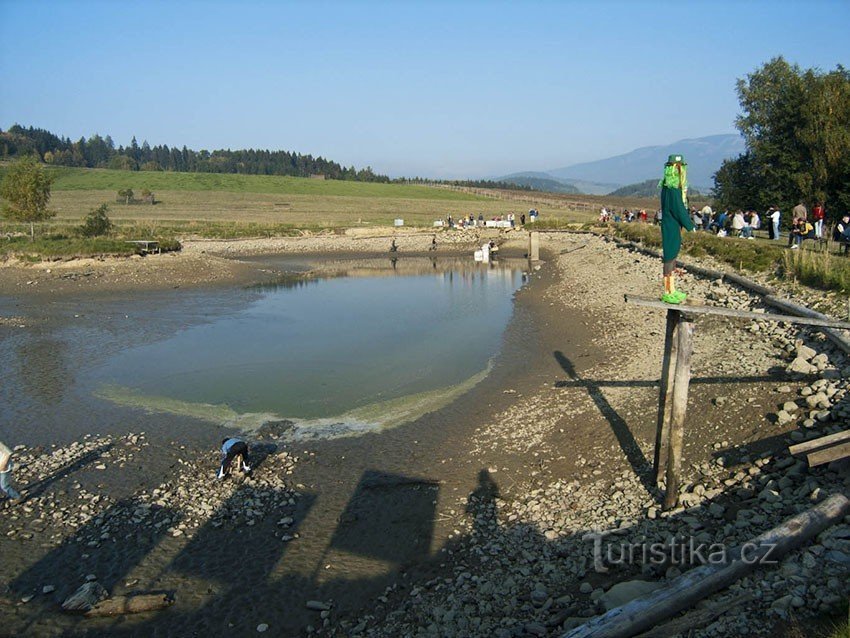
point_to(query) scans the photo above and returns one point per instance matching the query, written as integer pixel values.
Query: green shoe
(671, 297)
(681, 295)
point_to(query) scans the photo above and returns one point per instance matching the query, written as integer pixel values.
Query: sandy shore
(476, 528)
(203, 262)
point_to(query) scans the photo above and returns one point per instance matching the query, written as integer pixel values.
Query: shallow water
(357, 345)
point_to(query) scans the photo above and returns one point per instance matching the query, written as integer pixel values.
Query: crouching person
(6, 488)
(231, 449)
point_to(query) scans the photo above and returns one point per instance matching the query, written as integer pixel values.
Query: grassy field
(242, 205)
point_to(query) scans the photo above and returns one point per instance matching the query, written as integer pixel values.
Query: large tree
(26, 189)
(796, 125)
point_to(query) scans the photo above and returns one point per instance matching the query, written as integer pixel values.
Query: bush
(97, 223)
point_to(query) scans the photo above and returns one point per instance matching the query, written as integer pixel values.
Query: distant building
(317, 176)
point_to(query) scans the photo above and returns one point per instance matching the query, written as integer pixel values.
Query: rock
(535, 629)
(48, 589)
(790, 406)
(806, 353)
(585, 588)
(720, 401)
(800, 366)
(86, 597)
(783, 418)
(27, 598)
(621, 593)
(262, 627)
(317, 605)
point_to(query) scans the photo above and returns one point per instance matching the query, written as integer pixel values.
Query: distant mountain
(548, 183)
(704, 156)
(648, 188)
(540, 182)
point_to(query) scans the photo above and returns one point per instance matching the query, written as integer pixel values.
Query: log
(681, 382)
(824, 441)
(685, 591)
(827, 455)
(138, 603)
(696, 618)
(665, 403)
(789, 306)
(746, 284)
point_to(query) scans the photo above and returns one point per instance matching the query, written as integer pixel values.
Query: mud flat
(470, 520)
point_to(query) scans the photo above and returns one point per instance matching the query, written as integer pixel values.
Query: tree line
(101, 152)
(796, 124)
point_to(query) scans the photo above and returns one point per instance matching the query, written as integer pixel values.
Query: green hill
(542, 184)
(98, 179)
(647, 188)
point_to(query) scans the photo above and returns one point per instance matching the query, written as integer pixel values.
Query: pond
(351, 346)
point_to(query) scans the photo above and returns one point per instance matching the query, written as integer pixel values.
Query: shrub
(97, 223)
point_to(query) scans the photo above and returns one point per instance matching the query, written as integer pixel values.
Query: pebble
(262, 627)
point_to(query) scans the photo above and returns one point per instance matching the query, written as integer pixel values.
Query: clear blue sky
(430, 88)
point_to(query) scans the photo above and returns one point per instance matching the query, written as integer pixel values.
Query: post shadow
(621, 430)
(38, 487)
(389, 517)
(85, 552)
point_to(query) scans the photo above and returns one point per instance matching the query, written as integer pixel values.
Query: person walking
(230, 449)
(6, 474)
(674, 217)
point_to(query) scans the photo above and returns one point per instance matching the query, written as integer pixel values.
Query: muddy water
(347, 347)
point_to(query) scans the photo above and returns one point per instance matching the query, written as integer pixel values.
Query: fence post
(681, 381)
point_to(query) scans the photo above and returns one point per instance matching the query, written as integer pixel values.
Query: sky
(435, 89)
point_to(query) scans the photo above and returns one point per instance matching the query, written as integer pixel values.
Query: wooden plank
(814, 444)
(686, 590)
(650, 302)
(827, 455)
(681, 382)
(665, 404)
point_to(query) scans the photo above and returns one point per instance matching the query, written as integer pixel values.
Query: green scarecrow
(674, 217)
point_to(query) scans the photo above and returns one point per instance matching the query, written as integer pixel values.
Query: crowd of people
(472, 222)
(744, 224)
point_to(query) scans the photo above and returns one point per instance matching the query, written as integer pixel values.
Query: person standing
(818, 216)
(674, 217)
(800, 212)
(775, 217)
(6, 474)
(230, 449)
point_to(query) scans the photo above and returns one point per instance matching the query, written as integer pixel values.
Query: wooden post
(681, 381)
(665, 405)
(534, 246)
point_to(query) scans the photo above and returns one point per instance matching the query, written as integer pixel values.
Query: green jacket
(674, 217)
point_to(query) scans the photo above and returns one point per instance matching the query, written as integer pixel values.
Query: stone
(317, 605)
(262, 627)
(800, 366)
(86, 597)
(790, 406)
(621, 593)
(48, 589)
(806, 353)
(585, 588)
(783, 418)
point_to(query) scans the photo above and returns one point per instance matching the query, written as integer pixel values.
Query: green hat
(675, 159)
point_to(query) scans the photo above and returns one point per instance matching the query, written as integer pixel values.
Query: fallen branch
(692, 586)
(120, 605)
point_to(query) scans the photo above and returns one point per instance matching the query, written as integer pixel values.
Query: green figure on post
(674, 217)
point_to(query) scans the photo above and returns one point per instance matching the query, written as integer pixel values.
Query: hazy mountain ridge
(704, 156)
(634, 169)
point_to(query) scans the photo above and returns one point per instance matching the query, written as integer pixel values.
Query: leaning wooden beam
(681, 382)
(694, 585)
(789, 306)
(696, 618)
(820, 442)
(829, 454)
(650, 302)
(120, 605)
